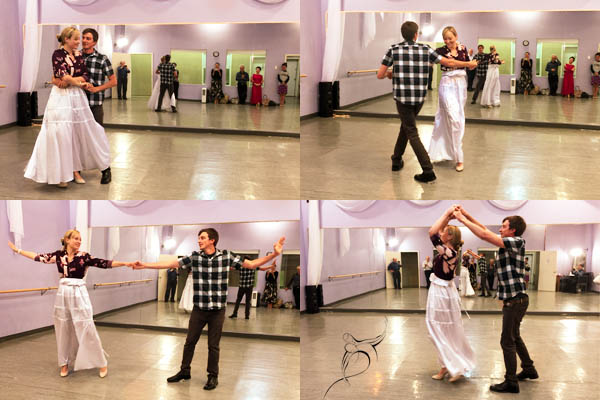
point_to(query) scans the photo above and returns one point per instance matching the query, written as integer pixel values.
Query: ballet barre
(2, 86)
(303, 75)
(41, 290)
(361, 71)
(351, 275)
(121, 283)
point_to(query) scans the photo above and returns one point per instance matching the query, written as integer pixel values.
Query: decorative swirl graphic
(354, 351)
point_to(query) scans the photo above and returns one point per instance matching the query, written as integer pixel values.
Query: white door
(547, 271)
(389, 279)
(292, 69)
(162, 276)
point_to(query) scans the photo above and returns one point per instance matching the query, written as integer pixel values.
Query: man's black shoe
(505, 387)
(425, 177)
(233, 316)
(106, 176)
(397, 166)
(527, 375)
(179, 376)
(211, 383)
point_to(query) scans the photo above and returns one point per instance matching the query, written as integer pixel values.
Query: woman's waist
(440, 281)
(71, 282)
(454, 73)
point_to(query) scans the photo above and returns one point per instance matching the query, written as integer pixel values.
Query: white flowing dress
(70, 139)
(187, 297)
(167, 102)
(491, 89)
(444, 324)
(449, 127)
(466, 289)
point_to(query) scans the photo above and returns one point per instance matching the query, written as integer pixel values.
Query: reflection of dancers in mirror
(166, 71)
(490, 97)
(78, 343)
(449, 128)
(356, 350)
(167, 101)
(257, 81)
(443, 315)
(70, 139)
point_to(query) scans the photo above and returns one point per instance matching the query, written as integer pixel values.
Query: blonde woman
(78, 343)
(490, 97)
(449, 128)
(443, 315)
(70, 139)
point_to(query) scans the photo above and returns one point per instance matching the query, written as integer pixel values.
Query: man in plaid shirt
(483, 60)
(244, 289)
(511, 290)
(102, 77)
(483, 272)
(410, 74)
(167, 77)
(210, 273)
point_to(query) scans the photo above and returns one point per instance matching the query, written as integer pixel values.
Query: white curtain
(369, 28)
(113, 242)
(334, 41)
(14, 210)
(151, 249)
(105, 43)
(354, 205)
(82, 224)
(31, 48)
(315, 244)
(344, 241)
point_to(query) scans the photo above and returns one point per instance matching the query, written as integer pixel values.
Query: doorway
(293, 68)
(410, 269)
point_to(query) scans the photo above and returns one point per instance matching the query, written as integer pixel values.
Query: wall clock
(215, 54)
(525, 42)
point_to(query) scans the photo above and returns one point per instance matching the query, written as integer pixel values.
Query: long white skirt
(449, 128)
(70, 139)
(166, 103)
(77, 340)
(187, 297)
(466, 289)
(444, 323)
(491, 89)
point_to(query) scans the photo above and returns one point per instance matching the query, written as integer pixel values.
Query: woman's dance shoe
(62, 185)
(455, 378)
(440, 375)
(103, 373)
(64, 373)
(79, 180)
(460, 168)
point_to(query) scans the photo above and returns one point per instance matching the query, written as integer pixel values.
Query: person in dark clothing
(395, 268)
(171, 284)
(294, 283)
(552, 69)
(242, 79)
(122, 72)
(176, 82)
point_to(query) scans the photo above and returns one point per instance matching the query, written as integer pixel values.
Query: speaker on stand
(325, 99)
(24, 108)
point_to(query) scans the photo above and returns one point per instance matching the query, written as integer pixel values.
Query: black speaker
(325, 99)
(320, 295)
(34, 105)
(24, 108)
(312, 303)
(336, 95)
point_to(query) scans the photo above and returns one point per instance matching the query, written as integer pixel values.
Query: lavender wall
(10, 71)
(160, 212)
(312, 30)
(467, 5)
(45, 224)
(529, 26)
(180, 11)
(595, 254)
(276, 39)
(563, 239)
(393, 213)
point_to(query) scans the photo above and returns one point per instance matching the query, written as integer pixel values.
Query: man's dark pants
(396, 275)
(296, 290)
(176, 89)
(409, 133)
(478, 87)
(553, 82)
(163, 88)
(243, 291)
(98, 113)
(198, 321)
(427, 277)
(471, 78)
(170, 292)
(242, 92)
(511, 341)
(122, 88)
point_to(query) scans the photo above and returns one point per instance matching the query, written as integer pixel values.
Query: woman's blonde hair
(455, 237)
(66, 33)
(449, 29)
(68, 235)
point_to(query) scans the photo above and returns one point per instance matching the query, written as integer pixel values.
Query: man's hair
(92, 31)
(482, 46)
(212, 234)
(517, 223)
(409, 29)
(167, 57)
(597, 54)
(175, 64)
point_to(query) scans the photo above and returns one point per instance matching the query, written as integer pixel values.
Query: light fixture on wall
(576, 252)
(393, 242)
(169, 243)
(427, 30)
(122, 42)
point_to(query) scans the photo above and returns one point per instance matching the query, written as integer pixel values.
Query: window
(250, 59)
(506, 49)
(563, 49)
(191, 65)
(234, 274)
(290, 260)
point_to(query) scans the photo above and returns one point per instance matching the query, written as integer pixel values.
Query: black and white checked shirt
(410, 70)
(210, 274)
(482, 66)
(167, 73)
(511, 267)
(482, 264)
(99, 69)
(246, 277)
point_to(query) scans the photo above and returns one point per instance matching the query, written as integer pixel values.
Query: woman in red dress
(568, 88)
(257, 80)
